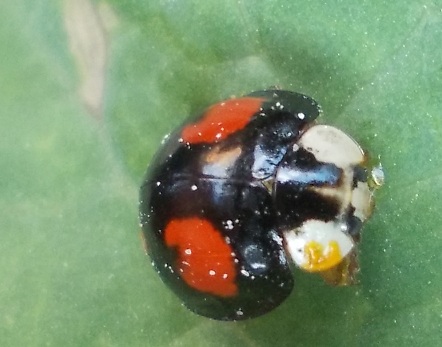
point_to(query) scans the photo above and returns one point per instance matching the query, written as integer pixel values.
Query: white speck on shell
(165, 138)
(245, 273)
(229, 224)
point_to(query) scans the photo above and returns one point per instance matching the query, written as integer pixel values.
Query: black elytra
(212, 208)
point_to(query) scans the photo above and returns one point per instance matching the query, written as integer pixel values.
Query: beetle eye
(354, 225)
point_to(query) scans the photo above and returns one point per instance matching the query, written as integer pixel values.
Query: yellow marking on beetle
(320, 259)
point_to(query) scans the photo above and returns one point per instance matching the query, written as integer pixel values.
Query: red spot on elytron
(205, 260)
(221, 120)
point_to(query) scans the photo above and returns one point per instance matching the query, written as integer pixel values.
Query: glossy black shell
(241, 192)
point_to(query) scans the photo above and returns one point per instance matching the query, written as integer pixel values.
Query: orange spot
(320, 259)
(205, 260)
(221, 120)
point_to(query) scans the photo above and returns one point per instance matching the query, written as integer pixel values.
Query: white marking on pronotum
(361, 200)
(331, 145)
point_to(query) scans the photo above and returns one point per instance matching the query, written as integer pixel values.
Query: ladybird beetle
(250, 186)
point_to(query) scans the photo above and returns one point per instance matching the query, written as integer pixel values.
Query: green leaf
(88, 90)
